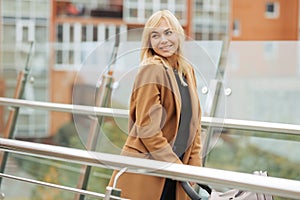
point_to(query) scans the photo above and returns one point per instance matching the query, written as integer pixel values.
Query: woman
(164, 118)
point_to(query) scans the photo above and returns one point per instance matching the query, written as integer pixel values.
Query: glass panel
(247, 151)
(30, 122)
(81, 84)
(264, 78)
(50, 171)
(203, 55)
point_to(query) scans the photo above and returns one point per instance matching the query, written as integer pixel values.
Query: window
(272, 10)
(25, 30)
(236, 28)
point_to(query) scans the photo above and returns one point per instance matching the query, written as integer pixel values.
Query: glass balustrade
(260, 83)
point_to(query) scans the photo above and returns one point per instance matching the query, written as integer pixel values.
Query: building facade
(57, 27)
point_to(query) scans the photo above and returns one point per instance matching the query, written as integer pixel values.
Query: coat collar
(174, 88)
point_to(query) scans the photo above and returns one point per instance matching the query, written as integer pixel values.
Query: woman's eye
(154, 36)
(169, 32)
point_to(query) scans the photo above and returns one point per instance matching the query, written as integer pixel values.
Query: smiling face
(164, 40)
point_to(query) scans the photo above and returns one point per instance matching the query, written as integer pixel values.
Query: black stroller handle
(191, 192)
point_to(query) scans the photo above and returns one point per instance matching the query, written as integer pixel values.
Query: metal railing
(214, 177)
(60, 187)
(122, 113)
(268, 185)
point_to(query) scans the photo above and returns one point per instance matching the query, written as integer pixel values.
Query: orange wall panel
(254, 25)
(61, 92)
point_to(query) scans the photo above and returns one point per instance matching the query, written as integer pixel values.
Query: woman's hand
(193, 184)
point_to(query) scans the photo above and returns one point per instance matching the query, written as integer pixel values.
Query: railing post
(111, 192)
(13, 115)
(103, 98)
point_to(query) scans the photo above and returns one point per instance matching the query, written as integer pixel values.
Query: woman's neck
(172, 61)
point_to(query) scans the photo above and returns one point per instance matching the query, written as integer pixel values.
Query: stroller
(232, 194)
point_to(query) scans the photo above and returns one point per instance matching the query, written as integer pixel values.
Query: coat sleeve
(147, 114)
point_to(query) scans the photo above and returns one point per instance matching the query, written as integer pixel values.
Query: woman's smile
(166, 47)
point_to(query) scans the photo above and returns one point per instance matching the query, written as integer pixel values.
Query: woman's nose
(163, 39)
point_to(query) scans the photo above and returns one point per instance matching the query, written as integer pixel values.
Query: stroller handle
(191, 192)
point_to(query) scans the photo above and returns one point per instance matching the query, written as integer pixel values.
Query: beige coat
(154, 119)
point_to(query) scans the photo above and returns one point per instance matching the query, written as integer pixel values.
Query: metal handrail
(61, 187)
(123, 113)
(70, 108)
(213, 177)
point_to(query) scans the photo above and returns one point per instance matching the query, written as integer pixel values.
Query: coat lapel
(175, 91)
(194, 104)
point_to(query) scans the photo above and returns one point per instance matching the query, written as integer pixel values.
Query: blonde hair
(148, 56)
